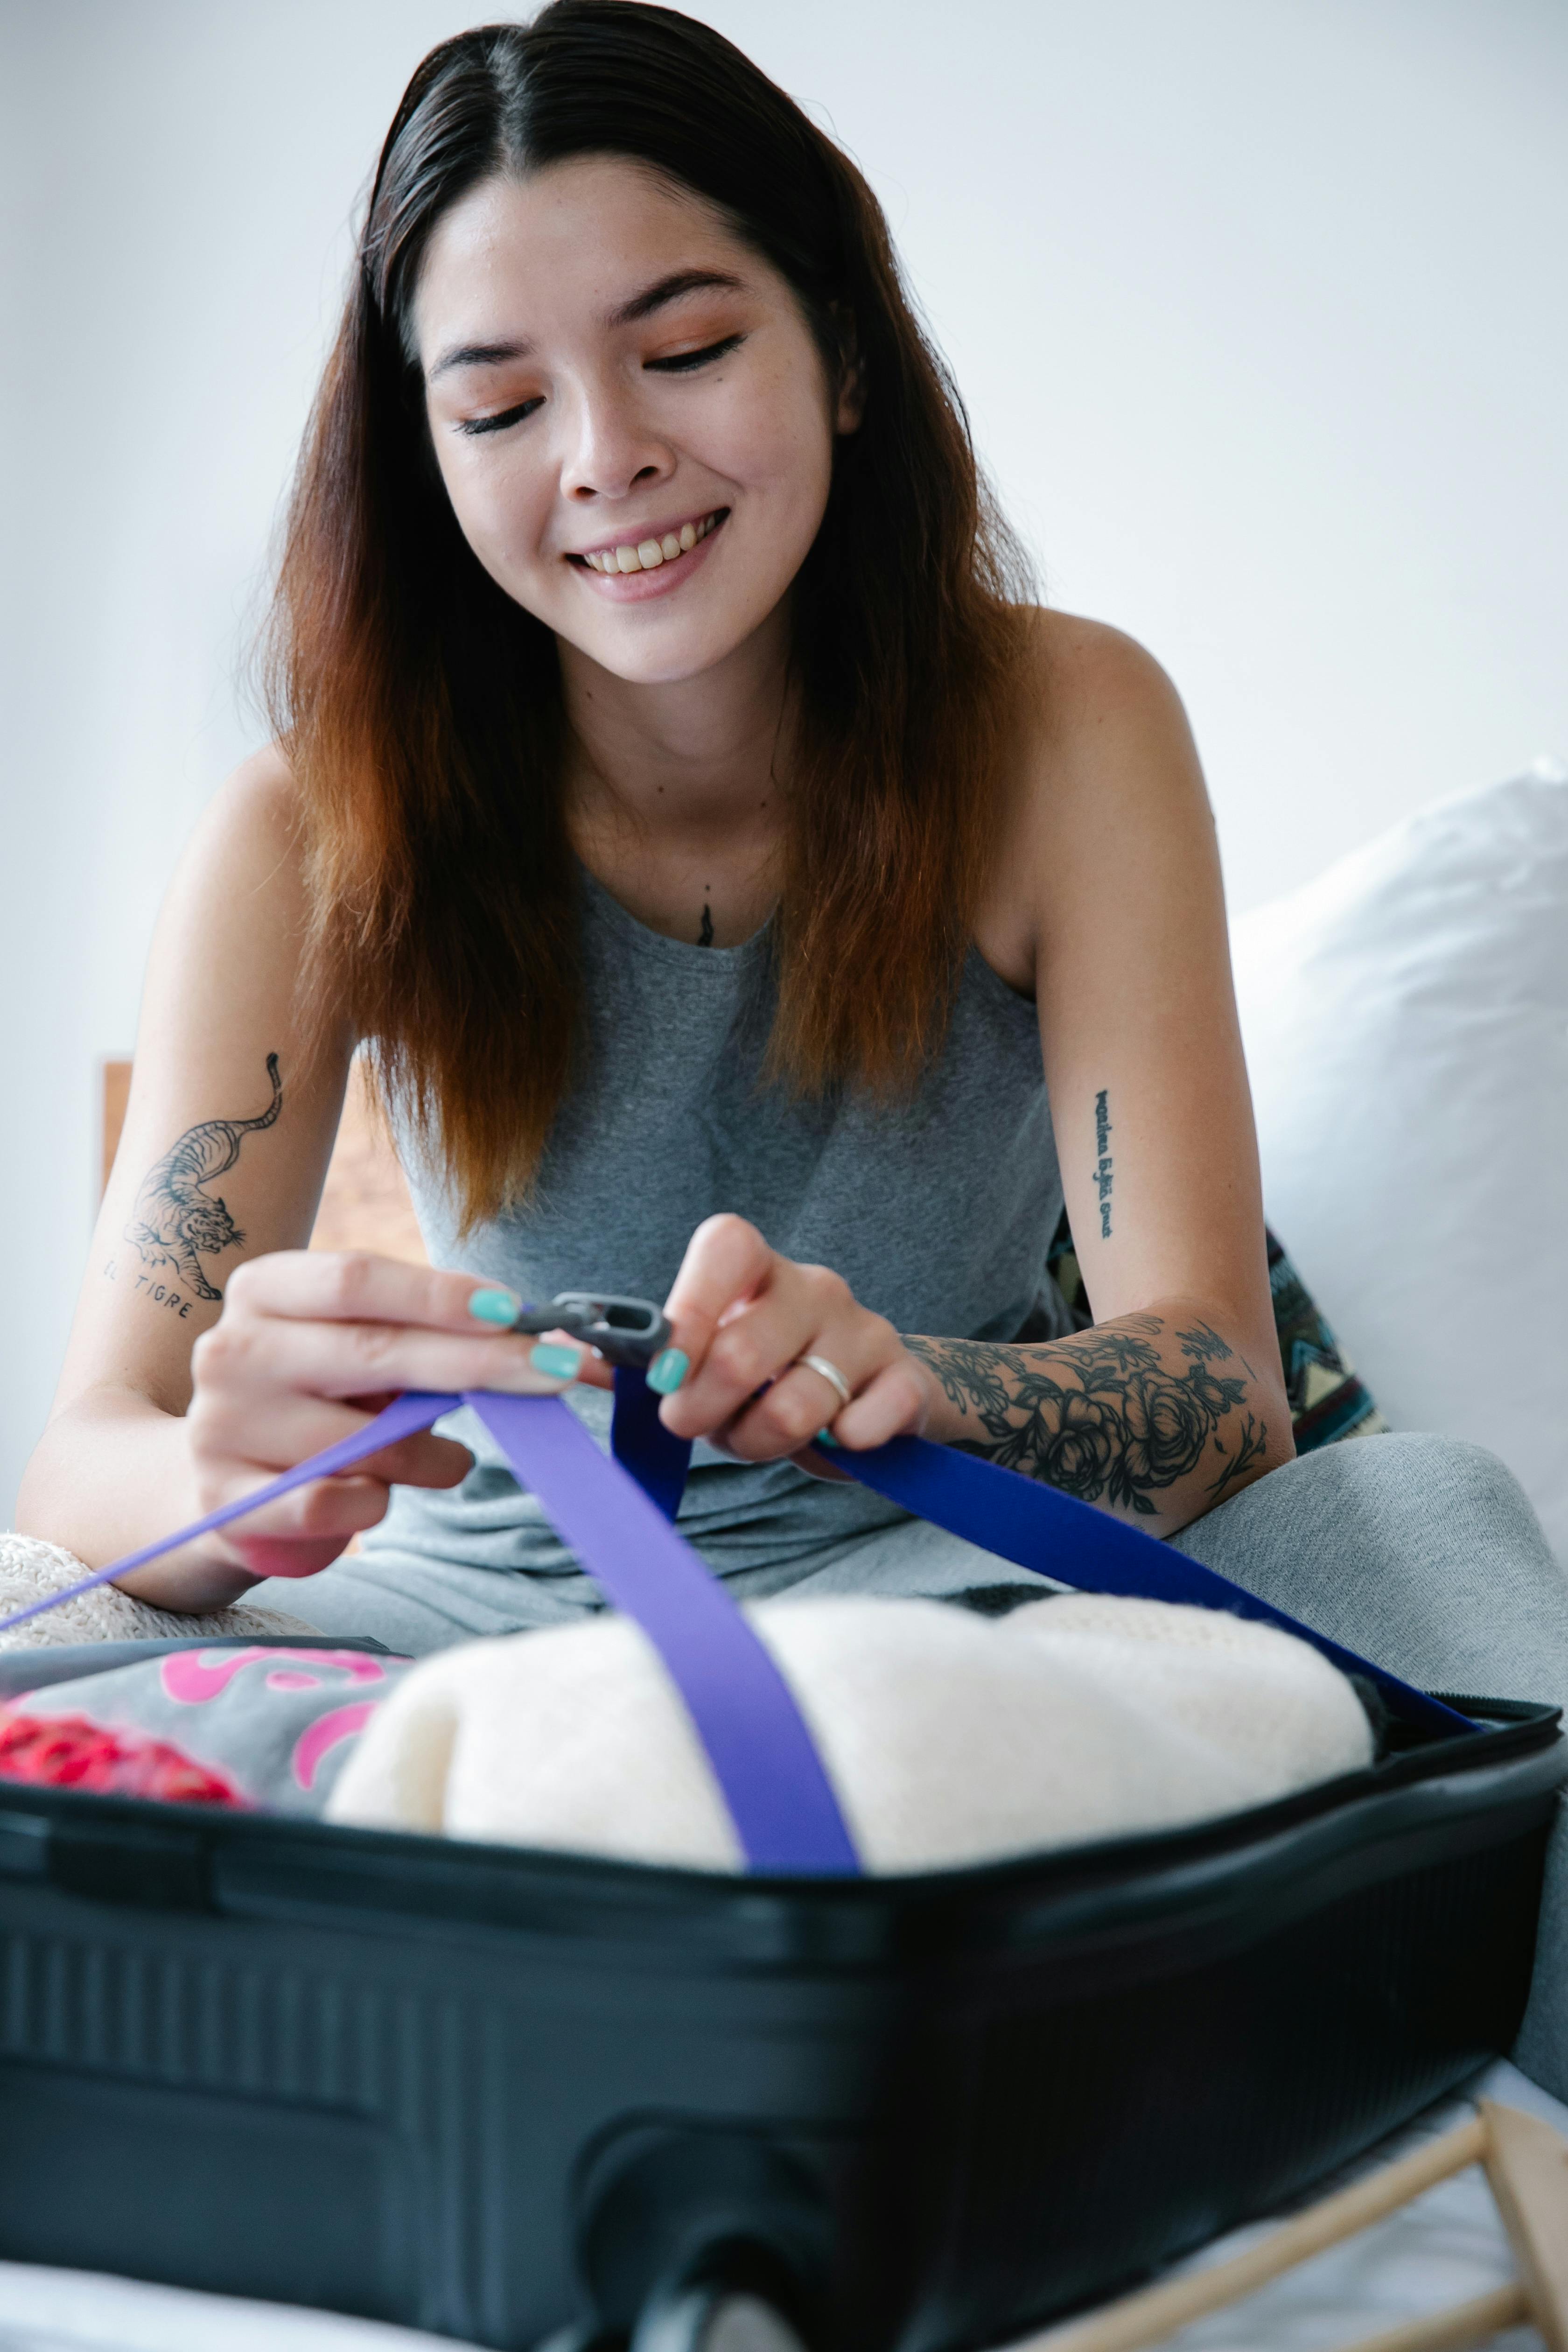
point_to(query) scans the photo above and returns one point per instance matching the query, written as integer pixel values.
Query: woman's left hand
(743, 1317)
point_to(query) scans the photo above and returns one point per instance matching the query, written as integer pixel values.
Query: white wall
(1257, 304)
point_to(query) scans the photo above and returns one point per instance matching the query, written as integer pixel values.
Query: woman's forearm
(112, 1472)
(1156, 1416)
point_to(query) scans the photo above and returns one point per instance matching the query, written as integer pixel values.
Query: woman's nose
(612, 448)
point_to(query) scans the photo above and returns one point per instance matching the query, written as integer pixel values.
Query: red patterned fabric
(267, 1724)
(69, 1752)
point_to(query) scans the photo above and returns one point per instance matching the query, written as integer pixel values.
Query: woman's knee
(1422, 1550)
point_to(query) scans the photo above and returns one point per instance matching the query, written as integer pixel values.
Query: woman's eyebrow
(670, 289)
(478, 355)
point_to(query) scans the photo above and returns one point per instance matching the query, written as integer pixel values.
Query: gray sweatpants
(1423, 1554)
(1419, 1552)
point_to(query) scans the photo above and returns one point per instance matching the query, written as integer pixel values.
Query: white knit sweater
(948, 1738)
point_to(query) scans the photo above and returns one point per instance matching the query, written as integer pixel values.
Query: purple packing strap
(780, 1798)
(415, 1409)
(772, 1780)
(1053, 1534)
(641, 1443)
(1035, 1524)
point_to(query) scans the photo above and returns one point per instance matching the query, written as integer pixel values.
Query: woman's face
(629, 411)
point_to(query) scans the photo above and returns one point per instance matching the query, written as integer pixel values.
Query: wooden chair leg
(1527, 2164)
(1148, 2317)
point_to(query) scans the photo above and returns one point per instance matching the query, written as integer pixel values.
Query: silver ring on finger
(828, 1371)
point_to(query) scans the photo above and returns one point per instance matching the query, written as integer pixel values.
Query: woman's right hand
(310, 1345)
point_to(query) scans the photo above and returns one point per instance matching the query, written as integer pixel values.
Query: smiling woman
(743, 895)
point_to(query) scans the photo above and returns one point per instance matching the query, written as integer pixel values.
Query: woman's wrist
(946, 1422)
(114, 1472)
(191, 1582)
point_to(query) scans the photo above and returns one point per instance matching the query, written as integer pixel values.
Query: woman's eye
(684, 361)
(503, 417)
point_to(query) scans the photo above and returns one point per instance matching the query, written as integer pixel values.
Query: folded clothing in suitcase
(500, 2093)
(950, 1736)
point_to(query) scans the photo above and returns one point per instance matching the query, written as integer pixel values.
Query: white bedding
(1444, 2249)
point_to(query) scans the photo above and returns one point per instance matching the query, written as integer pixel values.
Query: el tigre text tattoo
(174, 1222)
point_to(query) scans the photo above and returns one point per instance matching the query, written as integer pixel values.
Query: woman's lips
(634, 587)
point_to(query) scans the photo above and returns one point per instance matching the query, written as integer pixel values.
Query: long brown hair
(420, 707)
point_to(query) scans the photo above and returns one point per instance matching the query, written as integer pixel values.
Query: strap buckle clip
(622, 1331)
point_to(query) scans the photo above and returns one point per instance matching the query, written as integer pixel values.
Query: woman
(745, 898)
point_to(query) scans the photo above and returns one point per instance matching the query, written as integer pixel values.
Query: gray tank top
(938, 1211)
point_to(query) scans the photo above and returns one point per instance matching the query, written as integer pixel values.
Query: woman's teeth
(650, 554)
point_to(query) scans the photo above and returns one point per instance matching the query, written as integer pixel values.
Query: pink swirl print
(194, 1676)
(324, 1733)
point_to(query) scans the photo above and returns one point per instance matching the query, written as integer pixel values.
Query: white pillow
(1406, 1018)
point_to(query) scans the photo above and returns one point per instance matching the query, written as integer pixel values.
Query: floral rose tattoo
(1104, 1416)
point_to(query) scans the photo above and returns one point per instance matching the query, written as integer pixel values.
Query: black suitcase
(513, 2095)
(499, 2093)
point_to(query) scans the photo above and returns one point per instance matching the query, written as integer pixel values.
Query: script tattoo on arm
(1104, 1166)
(1117, 1415)
(176, 1223)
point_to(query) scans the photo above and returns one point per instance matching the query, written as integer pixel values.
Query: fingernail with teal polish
(666, 1372)
(498, 1307)
(826, 1437)
(556, 1363)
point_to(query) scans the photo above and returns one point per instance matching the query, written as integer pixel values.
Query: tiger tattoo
(174, 1218)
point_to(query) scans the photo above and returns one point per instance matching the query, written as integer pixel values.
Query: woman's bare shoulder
(1093, 688)
(243, 867)
(257, 810)
(1104, 774)
(227, 947)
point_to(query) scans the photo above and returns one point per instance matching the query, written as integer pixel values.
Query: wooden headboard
(365, 1203)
